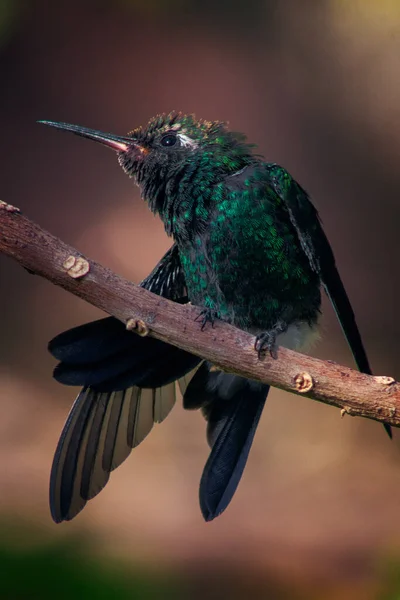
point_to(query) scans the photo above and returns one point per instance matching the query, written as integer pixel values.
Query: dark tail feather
(233, 410)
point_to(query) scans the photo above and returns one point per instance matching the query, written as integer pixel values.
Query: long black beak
(115, 142)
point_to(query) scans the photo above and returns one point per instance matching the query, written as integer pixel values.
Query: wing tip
(388, 429)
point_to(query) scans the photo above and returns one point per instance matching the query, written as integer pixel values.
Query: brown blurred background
(317, 86)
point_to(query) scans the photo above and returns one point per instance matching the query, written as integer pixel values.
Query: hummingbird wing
(104, 355)
(128, 385)
(306, 221)
(167, 278)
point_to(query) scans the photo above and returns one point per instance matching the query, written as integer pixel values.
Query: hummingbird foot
(207, 315)
(266, 341)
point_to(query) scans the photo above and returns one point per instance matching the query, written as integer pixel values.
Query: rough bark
(230, 348)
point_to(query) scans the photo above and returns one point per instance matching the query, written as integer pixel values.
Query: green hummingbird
(249, 249)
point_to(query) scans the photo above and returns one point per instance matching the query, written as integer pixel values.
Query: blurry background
(317, 86)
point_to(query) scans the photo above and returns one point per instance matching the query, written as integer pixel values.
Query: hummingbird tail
(232, 406)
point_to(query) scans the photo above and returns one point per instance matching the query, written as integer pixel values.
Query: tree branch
(230, 348)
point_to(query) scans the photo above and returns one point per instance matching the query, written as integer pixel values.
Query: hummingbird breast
(248, 264)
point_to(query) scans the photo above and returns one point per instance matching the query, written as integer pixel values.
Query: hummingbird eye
(168, 140)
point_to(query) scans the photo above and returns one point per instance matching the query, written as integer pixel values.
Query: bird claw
(207, 315)
(266, 341)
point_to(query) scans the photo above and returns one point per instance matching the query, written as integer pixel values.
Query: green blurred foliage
(154, 6)
(390, 576)
(10, 13)
(62, 569)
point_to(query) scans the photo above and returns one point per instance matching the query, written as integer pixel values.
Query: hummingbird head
(174, 156)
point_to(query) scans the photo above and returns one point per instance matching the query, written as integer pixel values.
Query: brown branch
(230, 348)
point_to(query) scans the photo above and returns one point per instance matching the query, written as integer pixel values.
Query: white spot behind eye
(186, 141)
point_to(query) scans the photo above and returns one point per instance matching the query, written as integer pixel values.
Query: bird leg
(207, 315)
(267, 340)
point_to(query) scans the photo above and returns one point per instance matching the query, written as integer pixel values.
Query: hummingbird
(249, 249)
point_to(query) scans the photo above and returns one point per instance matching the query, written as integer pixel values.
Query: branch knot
(138, 326)
(303, 382)
(76, 266)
